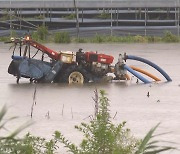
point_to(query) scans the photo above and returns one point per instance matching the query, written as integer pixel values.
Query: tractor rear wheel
(75, 75)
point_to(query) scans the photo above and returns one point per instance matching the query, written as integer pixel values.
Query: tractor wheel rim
(76, 77)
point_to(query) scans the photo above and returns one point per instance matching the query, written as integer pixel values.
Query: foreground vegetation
(101, 136)
(42, 35)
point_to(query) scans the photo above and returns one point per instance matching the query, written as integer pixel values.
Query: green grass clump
(5, 15)
(39, 17)
(140, 39)
(80, 40)
(70, 16)
(98, 39)
(154, 39)
(41, 34)
(62, 37)
(104, 15)
(169, 37)
(4, 38)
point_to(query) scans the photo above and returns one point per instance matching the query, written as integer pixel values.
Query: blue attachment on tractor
(34, 69)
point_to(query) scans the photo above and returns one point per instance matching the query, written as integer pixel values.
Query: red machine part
(106, 59)
(100, 58)
(51, 53)
(90, 56)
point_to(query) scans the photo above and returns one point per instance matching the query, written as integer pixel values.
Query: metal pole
(178, 21)
(77, 18)
(82, 16)
(50, 14)
(117, 17)
(145, 22)
(43, 13)
(111, 18)
(20, 11)
(10, 20)
(175, 14)
(77, 10)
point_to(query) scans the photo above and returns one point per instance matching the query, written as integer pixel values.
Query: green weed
(62, 37)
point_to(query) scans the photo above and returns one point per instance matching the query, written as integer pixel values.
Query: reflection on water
(128, 99)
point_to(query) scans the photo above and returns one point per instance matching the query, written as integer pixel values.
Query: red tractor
(70, 67)
(66, 66)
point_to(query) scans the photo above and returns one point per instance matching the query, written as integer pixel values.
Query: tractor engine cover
(100, 58)
(99, 63)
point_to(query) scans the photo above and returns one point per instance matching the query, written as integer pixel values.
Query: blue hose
(136, 74)
(151, 64)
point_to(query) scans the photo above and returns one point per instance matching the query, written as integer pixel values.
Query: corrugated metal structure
(147, 17)
(88, 3)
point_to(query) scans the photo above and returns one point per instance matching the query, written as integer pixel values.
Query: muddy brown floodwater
(128, 99)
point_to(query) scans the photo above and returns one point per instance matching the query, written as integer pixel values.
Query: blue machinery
(135, 70)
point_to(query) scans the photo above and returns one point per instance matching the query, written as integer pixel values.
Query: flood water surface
(61, 106)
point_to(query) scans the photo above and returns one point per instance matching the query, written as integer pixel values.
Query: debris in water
(148, 94)
(47, 115)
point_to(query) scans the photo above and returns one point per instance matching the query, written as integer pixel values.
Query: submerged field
(70, 105)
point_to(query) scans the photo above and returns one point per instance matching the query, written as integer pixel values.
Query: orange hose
(146, 73)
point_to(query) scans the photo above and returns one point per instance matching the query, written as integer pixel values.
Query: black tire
(75, 74)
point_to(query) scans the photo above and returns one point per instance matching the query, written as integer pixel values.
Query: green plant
(41, 33)
(70, 16)
(5, 15)
(104, 15)
(140, 39)
(153, 39)
(4, 38)
(62, 37)
(13, 33)
(6, 140)
(169, 37)
(39, 17)
(98, 39)
(29, 144)
(101, 136)
(150, 146)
